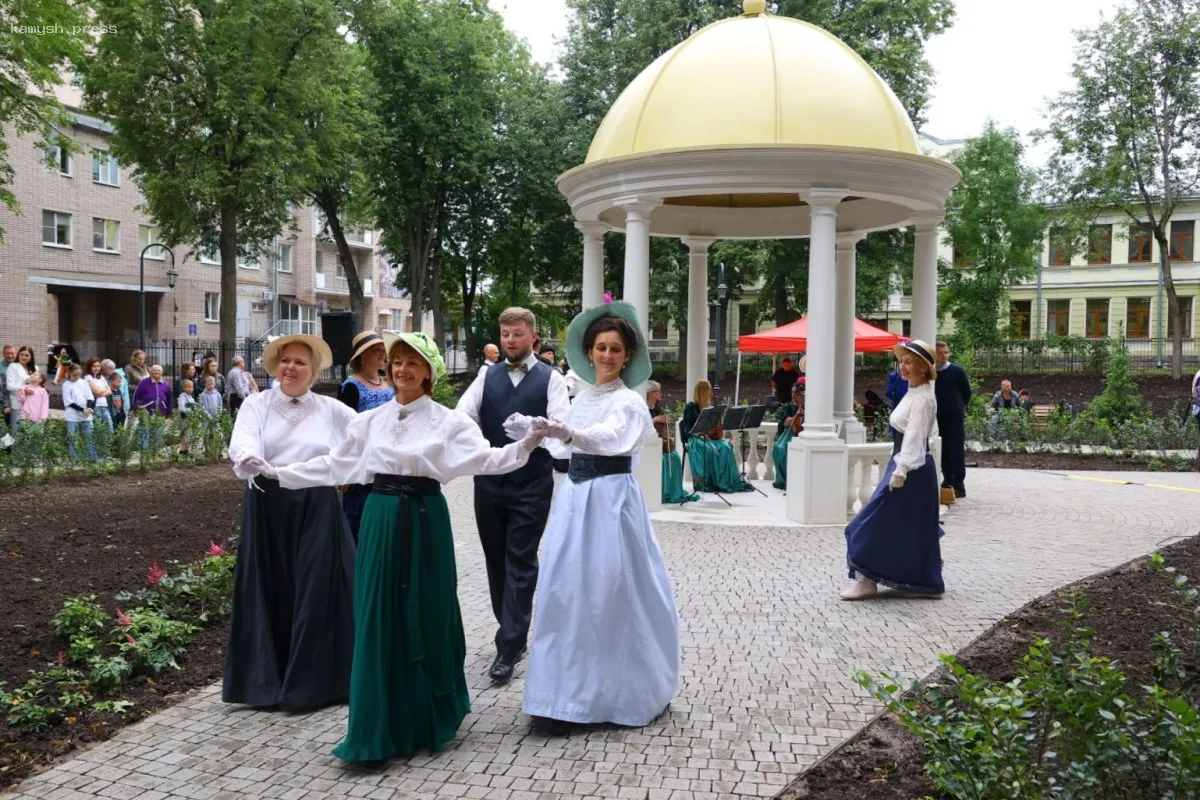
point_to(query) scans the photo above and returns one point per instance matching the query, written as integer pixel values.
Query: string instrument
(798, 421)
(665, 430)
(716, 434)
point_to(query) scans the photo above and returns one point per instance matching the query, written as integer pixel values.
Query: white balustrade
(751, 457)
(865, 465)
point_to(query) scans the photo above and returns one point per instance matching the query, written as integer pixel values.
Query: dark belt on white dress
(585, 467)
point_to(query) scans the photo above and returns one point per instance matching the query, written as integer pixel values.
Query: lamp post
(722, 296)
(171, 276)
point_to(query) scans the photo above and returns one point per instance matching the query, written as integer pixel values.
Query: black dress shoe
(960, 492)
(502, 667)
(552, 727)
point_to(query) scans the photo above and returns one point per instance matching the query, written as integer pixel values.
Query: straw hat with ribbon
(919, 349)
(322, 355)
(364, 342)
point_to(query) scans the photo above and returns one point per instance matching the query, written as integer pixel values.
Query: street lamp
(171, 276)
(722, 296)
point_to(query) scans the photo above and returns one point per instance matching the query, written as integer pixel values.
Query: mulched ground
(1161, 393)
(99, 536)
(1071, 462)
(1126, 608)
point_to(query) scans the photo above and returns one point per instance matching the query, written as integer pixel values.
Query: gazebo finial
(752, 7)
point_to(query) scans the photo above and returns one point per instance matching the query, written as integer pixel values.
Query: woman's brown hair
(702, 394)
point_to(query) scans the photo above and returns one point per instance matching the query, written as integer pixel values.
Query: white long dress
(605, 644)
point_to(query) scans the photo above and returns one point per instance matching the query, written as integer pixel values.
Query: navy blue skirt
(893, 540)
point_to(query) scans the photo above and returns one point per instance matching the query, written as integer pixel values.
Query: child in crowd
(80, 406)
(116, 400)
(184, 404)
(210, 399)
(35, 400)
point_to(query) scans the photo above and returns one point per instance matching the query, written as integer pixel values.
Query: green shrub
(1120, 401)
(80, 617)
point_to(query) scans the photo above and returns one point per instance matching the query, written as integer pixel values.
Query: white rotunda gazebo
(766, 127)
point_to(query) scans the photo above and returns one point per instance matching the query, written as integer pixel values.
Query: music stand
(742, 418)
(709, 418)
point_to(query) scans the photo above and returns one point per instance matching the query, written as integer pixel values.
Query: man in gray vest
(511, 510)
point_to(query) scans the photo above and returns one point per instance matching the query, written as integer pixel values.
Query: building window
(1185, 311)
(56, 229)
(712, 323)
(1058, 250)
(212, 307)
(285, 258)
(1058, 317)
(61, 159)
(1137, 318)
(906, 328)
(212, 256)
(1097, 319)
(1183, 237)
(1100, 244)
(1019, 313)
(106, 235)
(1140, 238)
(148, 235)
(399, 317)
(340, 270)
(248, 260)
(957, 258)
(320, 262)
(297, 318)
(105, 169)
(658, 324)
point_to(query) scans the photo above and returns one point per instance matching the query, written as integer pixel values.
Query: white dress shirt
(558, 402)
(272, 427)
(914, 416)
(77, 393)
(422, 439)
(484, 367)
(606, 420)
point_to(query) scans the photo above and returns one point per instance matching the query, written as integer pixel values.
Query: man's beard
(518, 358)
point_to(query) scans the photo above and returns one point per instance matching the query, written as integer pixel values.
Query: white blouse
(282, 430)
(914, 417)
(15, 377)
(76, 393)
(422, 439)
(606, 420)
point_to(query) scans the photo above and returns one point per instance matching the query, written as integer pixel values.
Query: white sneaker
(861, 589)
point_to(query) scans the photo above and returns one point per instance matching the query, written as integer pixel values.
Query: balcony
(360, 239)
(326, 284)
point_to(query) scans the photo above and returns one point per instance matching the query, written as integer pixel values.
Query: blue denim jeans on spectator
(104, 416)
(80, 429)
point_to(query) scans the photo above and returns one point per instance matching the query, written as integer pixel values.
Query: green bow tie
(523, 367)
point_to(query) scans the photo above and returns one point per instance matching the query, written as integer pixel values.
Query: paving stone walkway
(767, 653)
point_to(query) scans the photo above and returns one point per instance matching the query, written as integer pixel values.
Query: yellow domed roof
(755, 79)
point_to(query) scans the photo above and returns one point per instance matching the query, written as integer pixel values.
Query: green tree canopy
(995, 224)
(1127, 135)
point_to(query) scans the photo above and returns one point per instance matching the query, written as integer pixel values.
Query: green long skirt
(713, 466)
(672, 480)
(779, 453)
(408, 691)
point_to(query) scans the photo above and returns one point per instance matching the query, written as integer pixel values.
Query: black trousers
(510, 529)
(954, 440)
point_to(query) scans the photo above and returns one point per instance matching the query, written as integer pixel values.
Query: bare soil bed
(1126, 608)
(99, 536)
(1068, 462)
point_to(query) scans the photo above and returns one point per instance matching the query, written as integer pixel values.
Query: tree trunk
(1164, 257)
(683, 350)
(416, 267)
(435, 296)
(781, 298)
(228, 245)
(358, 306)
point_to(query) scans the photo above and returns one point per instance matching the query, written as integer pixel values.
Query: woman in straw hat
(893, 540)
(363, 390)
(292, 629)
(408, 691)
(605, 644)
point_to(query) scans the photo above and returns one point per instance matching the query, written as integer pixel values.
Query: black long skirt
(291, 634)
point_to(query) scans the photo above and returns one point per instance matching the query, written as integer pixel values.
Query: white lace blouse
(283, 430)
(606, 420)
(422, 439)
(915, 417)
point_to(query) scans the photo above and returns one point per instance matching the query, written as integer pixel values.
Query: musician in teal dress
(785, 432)
(714, 468)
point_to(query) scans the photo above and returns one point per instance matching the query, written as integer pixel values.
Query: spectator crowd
(98, 392)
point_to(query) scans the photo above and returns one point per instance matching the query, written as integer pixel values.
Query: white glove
(531, 441)
(257, 466)
(516, 427)
(897, 481)
(551, 429)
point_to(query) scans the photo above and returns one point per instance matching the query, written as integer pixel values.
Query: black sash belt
(408, 489)
(584, 467)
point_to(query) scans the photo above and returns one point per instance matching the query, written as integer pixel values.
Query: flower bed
(102, 537)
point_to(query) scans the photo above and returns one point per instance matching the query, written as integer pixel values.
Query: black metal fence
(1078, 354)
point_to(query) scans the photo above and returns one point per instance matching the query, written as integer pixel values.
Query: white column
(852, 431)
(637, 255)
(822, 315)
(816, 479)
(593, 262)
(697, 324)
(924, 294)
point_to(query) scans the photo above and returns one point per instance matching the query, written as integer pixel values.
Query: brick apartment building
(69, 268)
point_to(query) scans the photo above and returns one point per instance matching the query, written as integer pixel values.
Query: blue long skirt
(893, 540)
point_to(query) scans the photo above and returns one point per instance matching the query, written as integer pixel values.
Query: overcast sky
(1001, 58)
